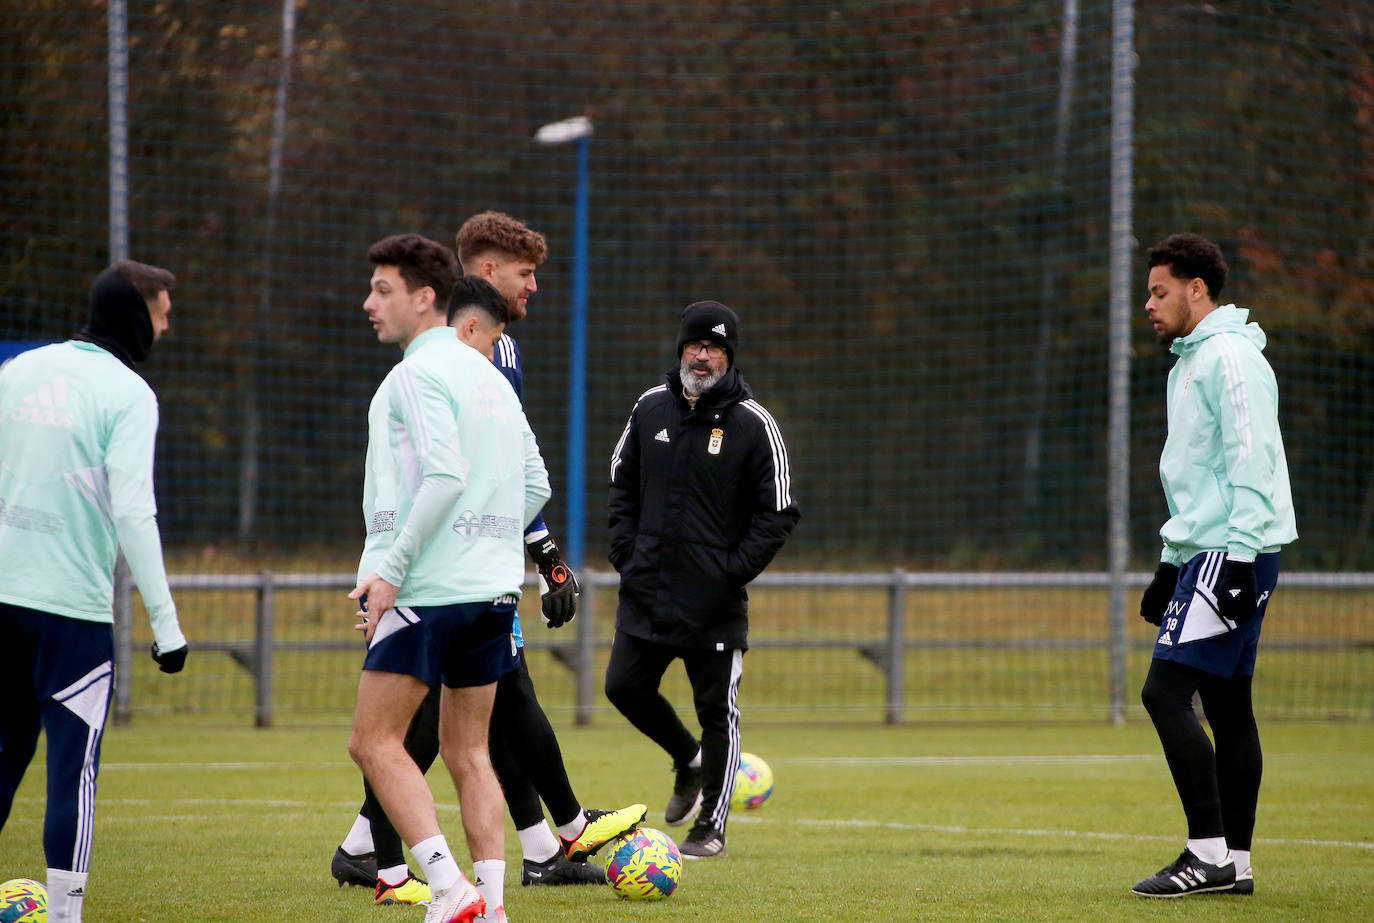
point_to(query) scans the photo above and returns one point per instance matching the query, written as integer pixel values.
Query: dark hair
(150, 281)
(488, 231)
(1189, 256)
(421, 262)
(476, 292)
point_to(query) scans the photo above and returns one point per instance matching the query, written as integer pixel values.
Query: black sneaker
(702, 843)
(560, 871)
(354, 870)
(1245, 882)
(1189, 875)
(686, 800)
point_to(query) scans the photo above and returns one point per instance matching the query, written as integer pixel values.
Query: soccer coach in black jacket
(700, 501)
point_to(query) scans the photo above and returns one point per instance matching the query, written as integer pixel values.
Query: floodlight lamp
(573, 129)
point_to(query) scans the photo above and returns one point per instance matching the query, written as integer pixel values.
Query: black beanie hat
(709, 320)
(119, 322)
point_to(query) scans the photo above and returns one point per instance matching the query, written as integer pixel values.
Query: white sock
(359, 839)
(488, 876)
(394, 875)
(1211, 850)
(1242, 857)
(573, 828)
(437, 862)
(66, 895)
(538, 842)
(695, 762)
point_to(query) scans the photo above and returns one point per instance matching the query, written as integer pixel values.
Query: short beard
(693, 385)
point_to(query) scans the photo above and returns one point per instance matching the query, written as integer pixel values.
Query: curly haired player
(1225, 476)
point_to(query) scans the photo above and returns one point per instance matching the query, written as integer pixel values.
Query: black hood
(119, 322)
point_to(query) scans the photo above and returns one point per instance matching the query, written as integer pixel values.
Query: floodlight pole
(577, 129)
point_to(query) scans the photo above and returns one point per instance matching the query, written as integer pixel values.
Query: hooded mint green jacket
(1224, 470)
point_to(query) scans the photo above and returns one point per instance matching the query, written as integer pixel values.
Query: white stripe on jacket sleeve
(782, 467)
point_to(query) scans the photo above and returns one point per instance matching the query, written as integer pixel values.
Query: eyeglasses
(713, 350)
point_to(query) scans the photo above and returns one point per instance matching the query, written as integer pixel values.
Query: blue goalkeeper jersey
(453, 474)
(77, 429)
(507, 359)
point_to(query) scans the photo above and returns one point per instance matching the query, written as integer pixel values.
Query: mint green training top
(77, 429)
(1224, 471)
(453, 475)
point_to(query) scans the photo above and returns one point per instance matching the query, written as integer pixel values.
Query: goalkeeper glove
(170, 661)
(1237, 591)
(1158, 593)
(558, 587)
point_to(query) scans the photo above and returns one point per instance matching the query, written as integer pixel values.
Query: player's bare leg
(464, 719)
(386, 702)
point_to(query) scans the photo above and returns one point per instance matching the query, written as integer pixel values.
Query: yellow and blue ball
(753, 782)
(23, 900)
(644, 865)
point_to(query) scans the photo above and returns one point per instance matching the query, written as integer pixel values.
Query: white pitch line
(274, 803)
(1086, 834)
(341, 764)
(967, 760)
(739, 817)
(1011, 759)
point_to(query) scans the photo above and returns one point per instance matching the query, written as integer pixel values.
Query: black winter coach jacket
(700, 502)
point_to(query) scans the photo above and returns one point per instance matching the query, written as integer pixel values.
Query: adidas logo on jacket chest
(715, 439)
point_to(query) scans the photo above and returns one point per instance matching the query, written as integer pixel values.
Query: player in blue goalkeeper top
(77, 428)
(524, 748)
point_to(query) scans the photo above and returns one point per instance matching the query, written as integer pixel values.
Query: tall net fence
(907, 203)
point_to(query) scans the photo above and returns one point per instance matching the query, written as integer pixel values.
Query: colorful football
(644, 865)
(753, 782)
(23, 900)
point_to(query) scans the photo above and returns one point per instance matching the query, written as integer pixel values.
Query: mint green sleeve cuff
(1170, 556)
(1240, 552)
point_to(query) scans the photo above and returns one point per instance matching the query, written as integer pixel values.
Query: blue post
(577, 369)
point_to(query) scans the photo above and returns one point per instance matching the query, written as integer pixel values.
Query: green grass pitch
(936, 822)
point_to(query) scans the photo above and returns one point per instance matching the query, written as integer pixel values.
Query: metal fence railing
(897, 644)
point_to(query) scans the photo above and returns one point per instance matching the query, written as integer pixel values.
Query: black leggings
(524, 753)
(1219, 789)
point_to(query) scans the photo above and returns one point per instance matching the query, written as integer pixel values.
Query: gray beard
(693, 386)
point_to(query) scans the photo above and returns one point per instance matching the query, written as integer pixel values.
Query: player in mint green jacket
(1225, 477)
(77, 427)
(453, 475)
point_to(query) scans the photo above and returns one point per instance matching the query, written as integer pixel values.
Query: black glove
(1237, 591)
(558, 587)
(170, 661)
(1158, 593)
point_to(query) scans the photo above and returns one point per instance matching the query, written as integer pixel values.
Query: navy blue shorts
(57, 676)
(464, 644)
(1192, 632)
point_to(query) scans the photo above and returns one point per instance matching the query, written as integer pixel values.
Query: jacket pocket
(702, 573)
